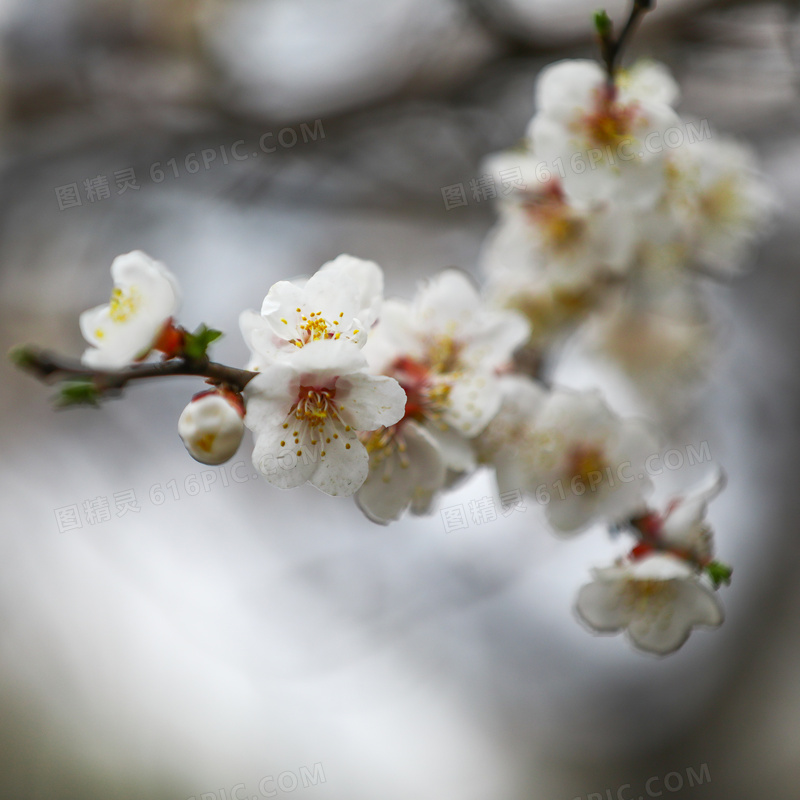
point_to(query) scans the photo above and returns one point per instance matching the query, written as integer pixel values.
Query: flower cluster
(621, 204)
(394, 402)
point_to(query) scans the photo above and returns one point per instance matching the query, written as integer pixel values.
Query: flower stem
(610, 47)
(50, 367)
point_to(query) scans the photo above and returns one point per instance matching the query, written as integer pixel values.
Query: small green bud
(196, 344)
(77, 393)
(603, 24)
(22, 356)
(719, 573)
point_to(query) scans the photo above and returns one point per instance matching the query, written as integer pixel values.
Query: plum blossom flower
(727, 203)
(552, 311)
(656, 601)
(660, 335)
(682, 529)
(306, 412)
(212, 426)
(582, 461)
(406, 470)
(444, 349)
(339, 302)
(571, 242)
(508, 440)
(598, 134)
(143, 301)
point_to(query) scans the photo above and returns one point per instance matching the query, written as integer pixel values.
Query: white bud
(212, 427)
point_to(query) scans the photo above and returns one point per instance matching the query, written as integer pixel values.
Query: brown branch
(611, 48)
(50, 367)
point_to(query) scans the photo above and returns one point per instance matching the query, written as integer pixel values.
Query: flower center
(124, 303)
(385, 447)
(425, 397)
(444, 354)
(315, 406)
(648, 597)
(719, 204)
(313, 327)
(584, 463)
(559, 225)
(609, 123)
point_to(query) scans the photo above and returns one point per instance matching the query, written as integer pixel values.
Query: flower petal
(600, 605)
(367, 402)
(397, 480)
(345, 465)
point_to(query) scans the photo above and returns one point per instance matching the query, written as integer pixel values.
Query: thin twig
(50, 367)
(611, 48)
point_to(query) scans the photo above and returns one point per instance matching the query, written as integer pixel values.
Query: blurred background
(173, 631)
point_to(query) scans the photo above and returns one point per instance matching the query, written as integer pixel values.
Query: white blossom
(509, 439)
(341, 301)
(727, 203)
(406, 470)
(143, 301)
(604, 138)
(660, 335)
(570, 241)
(444, 349)
(657, 601)
(212, 427)
(682, 527)
(553, 311)
(306, 412)
(579, 459)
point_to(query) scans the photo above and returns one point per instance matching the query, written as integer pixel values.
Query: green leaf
(603, 24)
(197, 343)
(22, 356)
(77, 393)
(719, 573)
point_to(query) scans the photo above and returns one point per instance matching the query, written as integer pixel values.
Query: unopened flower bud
(212, 426)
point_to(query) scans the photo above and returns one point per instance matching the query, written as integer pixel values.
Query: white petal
(648, 80)
(345, 465)
(391, 487)
(456, 451)
(568, 85)
(447, 303)
(600, 605)
(660, 567)
(367, 402)
(275, 457)
(663, 633)
(269, 397)
(137, 268)
(494, 337)
(280, 306)
(368, 276)
(326, 358)
(473, 401)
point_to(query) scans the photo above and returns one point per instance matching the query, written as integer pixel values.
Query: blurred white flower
(406, 470)
(729, 203)
(571, 242)
(659, 334)
(341, 301)
(682, 528)
(656, 600)
(306, 412)
(603, 139)
(212, 426)
(553, 311)
(143, 301)
(508, 440)
(444, 349)
(581, 461)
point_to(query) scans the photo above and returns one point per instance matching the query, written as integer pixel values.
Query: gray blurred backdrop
(232, 640)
